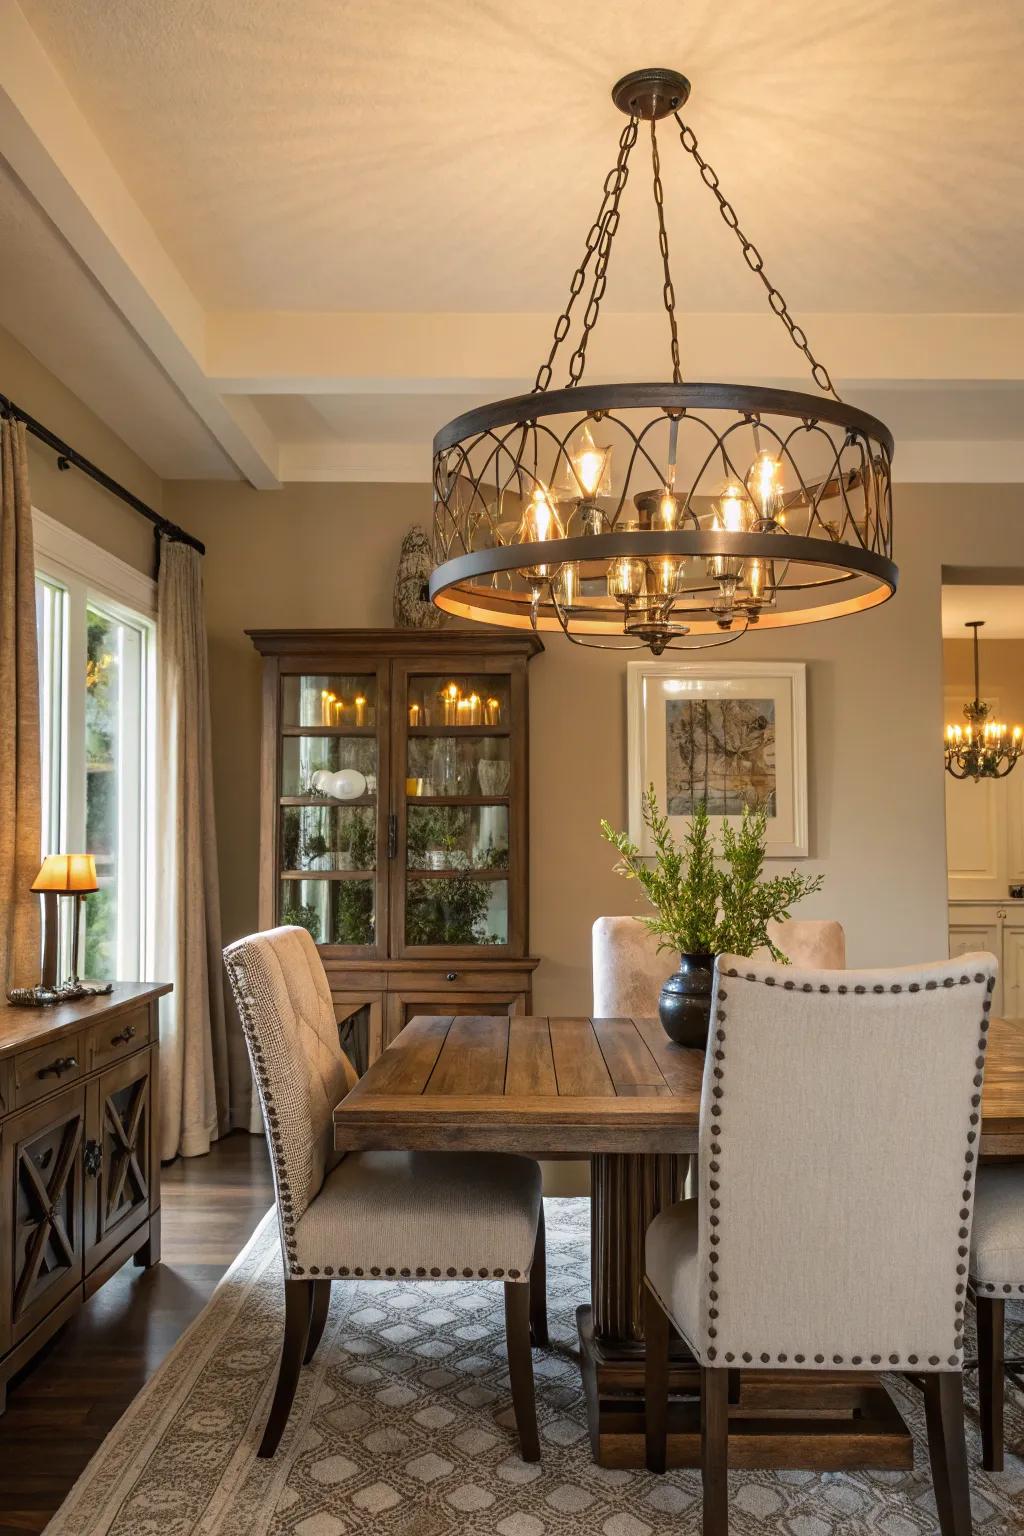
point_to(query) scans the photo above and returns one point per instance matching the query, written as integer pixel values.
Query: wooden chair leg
(947, 1449)
(298, 1302)
(735, 1387)
(318, 1317)
(539, 1289)
(656, 1338)
(714, 1450)
(520, 1367)
(991, 1379)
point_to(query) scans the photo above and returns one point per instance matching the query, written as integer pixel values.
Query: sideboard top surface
(23, 1027)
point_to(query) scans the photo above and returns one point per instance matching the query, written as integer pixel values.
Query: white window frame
(90, 574)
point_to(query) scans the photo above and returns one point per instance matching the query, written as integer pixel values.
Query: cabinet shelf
(328, 730)
(325, 804)
(458, 730)
(329, 874)
(458, 874)
(457, 800)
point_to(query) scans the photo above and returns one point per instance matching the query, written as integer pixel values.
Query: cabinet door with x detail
(117, 1155)
(42, 1174)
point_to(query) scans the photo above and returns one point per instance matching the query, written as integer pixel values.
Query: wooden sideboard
(79, 1157)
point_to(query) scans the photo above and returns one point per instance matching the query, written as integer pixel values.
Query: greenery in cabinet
(448, 911)
(353, 916)
(302, 916)
(446, 828)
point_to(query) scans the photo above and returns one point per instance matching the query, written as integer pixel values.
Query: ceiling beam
(309, 353)
(55, 154)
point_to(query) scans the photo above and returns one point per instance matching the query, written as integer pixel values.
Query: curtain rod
(67, 456)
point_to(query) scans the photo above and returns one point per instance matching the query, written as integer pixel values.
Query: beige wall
(1002, 674)
(71, 497)
(325, 554)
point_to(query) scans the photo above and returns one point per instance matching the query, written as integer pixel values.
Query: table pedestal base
(825, 1421)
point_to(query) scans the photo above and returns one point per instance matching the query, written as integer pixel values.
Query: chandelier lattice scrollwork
(983, 748)
(669, 514)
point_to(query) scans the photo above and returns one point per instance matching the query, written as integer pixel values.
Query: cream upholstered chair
(382, 1214)
(629, 970)
(838, 1143)
(996, 1273)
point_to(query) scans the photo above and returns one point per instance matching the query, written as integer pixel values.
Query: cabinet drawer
(117, 1037)
(6, 1087)
(39, 1072)
(448, 978)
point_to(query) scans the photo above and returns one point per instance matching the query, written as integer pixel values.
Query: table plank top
(575, 1086)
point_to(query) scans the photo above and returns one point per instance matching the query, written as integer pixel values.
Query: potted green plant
(706, 902)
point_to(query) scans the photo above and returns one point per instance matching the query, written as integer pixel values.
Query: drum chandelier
(666, 515)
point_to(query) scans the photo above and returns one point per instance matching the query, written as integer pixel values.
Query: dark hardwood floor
(61, 1407)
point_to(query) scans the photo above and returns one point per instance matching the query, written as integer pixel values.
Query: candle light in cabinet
(326, 700)
(339, 710)
(476, 714)
(492, 712)
(415, 714)
(462, 712)
(360, 708)
(450, 697)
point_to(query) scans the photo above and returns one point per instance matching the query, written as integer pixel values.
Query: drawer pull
(124, 1035)
(452, 976)
(59, 1067)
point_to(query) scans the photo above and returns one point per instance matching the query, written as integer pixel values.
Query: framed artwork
(732, 734)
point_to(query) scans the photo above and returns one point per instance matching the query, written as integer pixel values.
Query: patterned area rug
(403, 1425)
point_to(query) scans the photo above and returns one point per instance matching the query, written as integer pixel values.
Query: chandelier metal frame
(657, 562)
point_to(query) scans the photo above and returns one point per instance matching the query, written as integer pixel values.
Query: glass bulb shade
(666, 575)
(539, 524)
(626, 578)
(566, 585)
(67, 872)
(586, 469)
(764, 486)
(757, 579)
(668, 514)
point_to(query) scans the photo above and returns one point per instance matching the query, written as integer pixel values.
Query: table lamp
(61, 874)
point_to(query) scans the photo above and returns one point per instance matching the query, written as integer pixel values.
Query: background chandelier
(671, 514)
(983, 748)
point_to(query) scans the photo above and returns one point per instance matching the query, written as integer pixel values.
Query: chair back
(839, 1134)
(630, 971)
(301, 1071)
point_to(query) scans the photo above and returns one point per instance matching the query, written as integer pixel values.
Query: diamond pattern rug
(403, 1426)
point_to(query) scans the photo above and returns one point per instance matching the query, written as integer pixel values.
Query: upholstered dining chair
(838, 1144)
(997, 1276)
(423, 1216)
(630, 971)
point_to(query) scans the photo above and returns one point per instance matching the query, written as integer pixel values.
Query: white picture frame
(739, 754)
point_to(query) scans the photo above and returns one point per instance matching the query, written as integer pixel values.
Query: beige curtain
(194, 1075)
(20, 786)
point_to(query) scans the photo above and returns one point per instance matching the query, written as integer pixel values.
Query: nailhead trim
(969, 1157)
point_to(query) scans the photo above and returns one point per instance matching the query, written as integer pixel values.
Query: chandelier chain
(754, 260)
(668, 291)
(598, 243)
(578, 360)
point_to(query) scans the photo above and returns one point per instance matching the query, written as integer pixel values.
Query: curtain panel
(20, 782)
(195, 1083)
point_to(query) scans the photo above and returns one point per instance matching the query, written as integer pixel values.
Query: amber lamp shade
(68, 874)
(63, 874)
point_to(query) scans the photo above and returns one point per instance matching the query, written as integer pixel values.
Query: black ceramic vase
(685, 1003)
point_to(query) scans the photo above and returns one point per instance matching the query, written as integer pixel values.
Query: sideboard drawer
(39, 1072)
(6, 1087)
(117, 1037)
(448, 978)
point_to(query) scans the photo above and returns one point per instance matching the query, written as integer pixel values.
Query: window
(96, 686)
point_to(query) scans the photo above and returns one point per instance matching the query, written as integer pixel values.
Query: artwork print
(721, 751)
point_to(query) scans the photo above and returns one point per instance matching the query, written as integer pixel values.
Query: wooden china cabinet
(394, 818)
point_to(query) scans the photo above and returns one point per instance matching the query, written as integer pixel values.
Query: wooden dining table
(618, 1092)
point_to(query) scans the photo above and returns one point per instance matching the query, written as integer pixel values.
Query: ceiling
(1001, 609)
(289, 242)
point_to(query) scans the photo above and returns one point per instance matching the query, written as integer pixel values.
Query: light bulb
(731, 514)
(764, 483)
(539, 524)
(591, 466)
(625, 578)
(665, 517)
(566, 585)
(667, 575)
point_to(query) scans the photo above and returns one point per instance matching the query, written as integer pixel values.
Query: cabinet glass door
(331, 835)
(455, 735)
